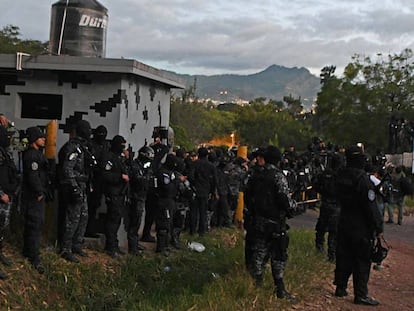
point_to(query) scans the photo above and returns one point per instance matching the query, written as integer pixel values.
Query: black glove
(76, 196)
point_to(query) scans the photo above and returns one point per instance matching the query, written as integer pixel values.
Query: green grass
(212, 280)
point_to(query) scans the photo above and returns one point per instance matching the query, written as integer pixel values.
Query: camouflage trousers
(76, 220)
(4, 219)
(273, 247)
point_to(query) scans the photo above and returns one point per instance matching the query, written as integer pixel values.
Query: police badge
(73, 156)
(371, 195)
(166, 179)
(35, 166)
(108, 166)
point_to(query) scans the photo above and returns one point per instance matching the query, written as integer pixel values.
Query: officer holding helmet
(359, 222)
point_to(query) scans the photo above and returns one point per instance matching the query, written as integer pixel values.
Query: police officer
(329, 210)
(267, 197)
(204, 179)
(151, 202)
(8, 186)
(167, 191)
(116, 183)
(140, 173)
(99, 146)
(35, 184)
(74, 157)
(359, 222)
(248, 216)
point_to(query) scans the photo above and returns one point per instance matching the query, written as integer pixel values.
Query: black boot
(175, 239)
(3, 275)
(162, 242)
(282, 293)
(341, 291)
(4, 260)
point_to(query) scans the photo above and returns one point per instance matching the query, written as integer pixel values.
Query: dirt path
(392, 286)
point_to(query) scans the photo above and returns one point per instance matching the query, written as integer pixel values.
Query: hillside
(272, 83)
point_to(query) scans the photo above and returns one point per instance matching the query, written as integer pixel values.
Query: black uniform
(359, 221)
(329, 212)
(115, 190)
(167, 191)
(74, 175)
(99, 146)
(8, 186)
(204, 180)
(151, 202)
(140, 176)
(35, 188)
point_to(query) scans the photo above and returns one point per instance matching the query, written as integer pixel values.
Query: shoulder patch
(73, 156)
(35, 166)
(371, 195)
(108, 166)
(166, 179)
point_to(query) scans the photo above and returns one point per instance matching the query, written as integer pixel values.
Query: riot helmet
(146, 154)
(355, 157)
(34, 133)
(272, 155)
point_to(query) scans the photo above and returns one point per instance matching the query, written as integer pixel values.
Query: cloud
(244, 36)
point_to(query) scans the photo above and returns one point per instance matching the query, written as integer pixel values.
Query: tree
(10, 42)
(357, 106)
(293, 105)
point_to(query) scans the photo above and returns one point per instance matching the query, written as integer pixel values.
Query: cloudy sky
(238, 36)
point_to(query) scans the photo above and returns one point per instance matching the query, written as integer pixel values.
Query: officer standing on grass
(140, 174)
(8, 187)
(324, 184)
(269, 204)
(116, 184)
(73, 159)
(35, 184)
(359, 222)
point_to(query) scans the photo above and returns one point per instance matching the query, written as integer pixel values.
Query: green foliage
(358, 106)
(215, 279)
(256, 124)
(11, 43)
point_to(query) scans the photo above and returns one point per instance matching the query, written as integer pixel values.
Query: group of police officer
(176, 191)
(349, 211)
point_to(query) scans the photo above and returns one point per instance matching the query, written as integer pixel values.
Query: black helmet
(379, 251)
(355, 157)
(272, 155)
(146, 153)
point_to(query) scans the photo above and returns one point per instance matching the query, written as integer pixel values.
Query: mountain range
(271, 83)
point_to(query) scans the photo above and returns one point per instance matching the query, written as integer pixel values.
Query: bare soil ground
(393, 286)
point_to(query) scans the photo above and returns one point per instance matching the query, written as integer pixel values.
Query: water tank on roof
(78, 28)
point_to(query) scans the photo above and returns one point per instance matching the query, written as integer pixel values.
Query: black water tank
(84, 29)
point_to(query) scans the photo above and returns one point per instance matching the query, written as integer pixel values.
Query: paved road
(393, 232)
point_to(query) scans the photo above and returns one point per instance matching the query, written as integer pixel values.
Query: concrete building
(128, 97)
